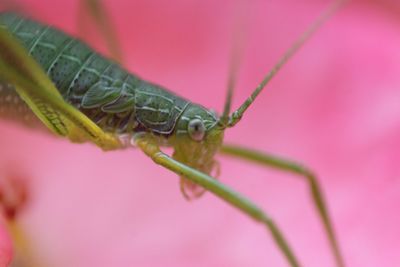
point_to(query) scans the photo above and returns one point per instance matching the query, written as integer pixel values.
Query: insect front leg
(148, 145)
(290, 166)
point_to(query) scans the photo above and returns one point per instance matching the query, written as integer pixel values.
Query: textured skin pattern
(14, 108)
(116, 100)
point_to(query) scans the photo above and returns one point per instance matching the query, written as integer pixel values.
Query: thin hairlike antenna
(237, 115)
(234, 63)
(103, 23)
(232, 74)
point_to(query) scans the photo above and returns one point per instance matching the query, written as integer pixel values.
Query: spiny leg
(151, 149)
(235, 117)
(289, 166)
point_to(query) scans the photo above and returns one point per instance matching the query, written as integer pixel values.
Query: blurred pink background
(334, 107)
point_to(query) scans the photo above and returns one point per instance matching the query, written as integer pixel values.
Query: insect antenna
(232, 74)
(101, 19)
(237, 115)
(240, 29)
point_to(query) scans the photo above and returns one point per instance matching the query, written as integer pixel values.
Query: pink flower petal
(5, 247)
(334, 107)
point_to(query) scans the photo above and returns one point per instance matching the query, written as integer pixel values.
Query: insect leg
(289, 166)
(151, 149)
(36, 89)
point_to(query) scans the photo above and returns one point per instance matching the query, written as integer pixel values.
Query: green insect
(50, 78)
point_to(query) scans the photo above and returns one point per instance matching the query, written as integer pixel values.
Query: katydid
(49, 78)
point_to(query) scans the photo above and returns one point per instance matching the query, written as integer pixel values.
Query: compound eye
(196, 129)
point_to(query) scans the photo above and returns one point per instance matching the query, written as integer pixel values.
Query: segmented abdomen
(113, 98)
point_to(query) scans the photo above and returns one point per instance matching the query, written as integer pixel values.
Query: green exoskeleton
(49, 78)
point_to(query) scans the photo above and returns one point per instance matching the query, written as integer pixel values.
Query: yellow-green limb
(18, 68)
(289, 166)
(151, 149)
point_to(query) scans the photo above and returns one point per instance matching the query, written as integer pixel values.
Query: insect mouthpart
(198, 155)
(196, 140)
